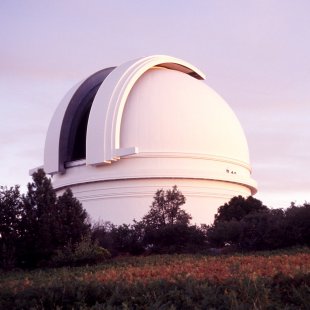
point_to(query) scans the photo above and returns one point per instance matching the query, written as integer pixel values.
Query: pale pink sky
(254, 53)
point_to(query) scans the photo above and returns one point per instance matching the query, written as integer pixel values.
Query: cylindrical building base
(121, 201)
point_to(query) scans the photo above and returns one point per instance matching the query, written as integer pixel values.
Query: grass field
(253, 281)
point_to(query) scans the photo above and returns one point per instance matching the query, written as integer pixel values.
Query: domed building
(150, 123)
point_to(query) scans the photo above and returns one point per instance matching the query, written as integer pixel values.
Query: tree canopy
(238, 207)
(34, 225)
(249, 225)
(11, 213)
(166, 209)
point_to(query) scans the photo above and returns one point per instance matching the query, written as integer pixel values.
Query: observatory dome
(151, 123)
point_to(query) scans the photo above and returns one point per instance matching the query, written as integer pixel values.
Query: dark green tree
(166, 209)
(297, 220)
(71, 218)
(238, 223)
(225, 233)
(11, 213)
(49, 222)
(40, 220)
(263, 230)
(166, 227)
(238, 207)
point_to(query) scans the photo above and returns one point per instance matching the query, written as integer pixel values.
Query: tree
(71, 219)
(297, 220)
(11, 212)
(166, 209)
(40, 220)
(49, 223)
(239, 223)
(166, 227)
(263, 230)
(238, 207)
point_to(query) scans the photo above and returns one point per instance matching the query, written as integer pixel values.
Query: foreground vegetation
(265, 281)
(40, 230)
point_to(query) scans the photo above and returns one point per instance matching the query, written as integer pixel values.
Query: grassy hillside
(255, 281)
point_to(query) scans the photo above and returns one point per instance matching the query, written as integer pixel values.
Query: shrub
(298, 225)
(174, 238)
(120, 239)
(263, 231)
(281, 292)
(225, 233)
(82, 253)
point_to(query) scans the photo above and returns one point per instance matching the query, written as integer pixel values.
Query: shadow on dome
(72, 142)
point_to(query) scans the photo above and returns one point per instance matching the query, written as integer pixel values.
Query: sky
(255, 54)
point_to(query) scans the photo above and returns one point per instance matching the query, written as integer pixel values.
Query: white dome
(169, 111)
(125, 132)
